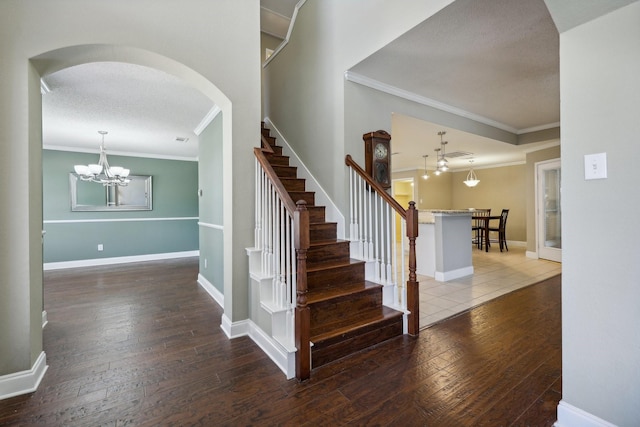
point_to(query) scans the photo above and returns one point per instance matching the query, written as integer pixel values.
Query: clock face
(380, 151)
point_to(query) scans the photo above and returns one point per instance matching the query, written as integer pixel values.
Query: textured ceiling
(143, 109)
(494, 58)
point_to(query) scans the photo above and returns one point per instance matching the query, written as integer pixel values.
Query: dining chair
(501, 230)
(477, 226)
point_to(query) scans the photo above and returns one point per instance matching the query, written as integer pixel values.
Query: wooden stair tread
(341, 291)
(334, 264)
(352, 325)
(327, 242)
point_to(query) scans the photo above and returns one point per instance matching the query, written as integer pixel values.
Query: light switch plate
(595, 166)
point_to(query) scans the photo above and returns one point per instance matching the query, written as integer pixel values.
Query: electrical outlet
(100, 247)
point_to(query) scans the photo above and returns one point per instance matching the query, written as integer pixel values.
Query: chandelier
(102, 173)
(472, 180)
(441, 161)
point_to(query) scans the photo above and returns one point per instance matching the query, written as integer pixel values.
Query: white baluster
(352, 223)
(390, 239)
(376, 255)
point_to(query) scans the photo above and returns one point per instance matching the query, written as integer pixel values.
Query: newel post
(413, 299)
(302, 313)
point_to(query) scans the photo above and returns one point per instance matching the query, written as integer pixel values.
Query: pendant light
(425, 176)
(472, 180)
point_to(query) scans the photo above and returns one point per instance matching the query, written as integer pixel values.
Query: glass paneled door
(549, 212)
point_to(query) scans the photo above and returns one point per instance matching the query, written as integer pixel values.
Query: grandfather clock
(377, 157)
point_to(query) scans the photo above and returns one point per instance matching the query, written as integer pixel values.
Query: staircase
(346, 311)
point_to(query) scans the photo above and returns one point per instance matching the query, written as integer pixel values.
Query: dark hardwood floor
(141, 344)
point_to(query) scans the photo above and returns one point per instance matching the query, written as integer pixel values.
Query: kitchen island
(443, 246)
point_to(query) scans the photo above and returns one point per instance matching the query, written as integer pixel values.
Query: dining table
(485, 219)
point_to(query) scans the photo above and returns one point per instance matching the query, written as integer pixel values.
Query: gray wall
(600, 91)
(304, 82)
(169, 227)
(211, 228)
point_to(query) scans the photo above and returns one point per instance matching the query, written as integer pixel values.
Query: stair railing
(282, 234)
(372, 232)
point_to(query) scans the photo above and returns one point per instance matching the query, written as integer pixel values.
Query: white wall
(216, 52)
(600, 95)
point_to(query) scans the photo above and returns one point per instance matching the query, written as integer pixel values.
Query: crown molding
(539, 128)
(119, 153)
(286, 39)
(208, 118)
(411, 96)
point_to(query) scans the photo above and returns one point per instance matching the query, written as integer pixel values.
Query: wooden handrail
(266, 147)
(390, 200)
(289, 204)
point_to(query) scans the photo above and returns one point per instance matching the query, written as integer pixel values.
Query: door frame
(552, 254)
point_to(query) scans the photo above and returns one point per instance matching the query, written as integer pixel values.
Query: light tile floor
(495, 273)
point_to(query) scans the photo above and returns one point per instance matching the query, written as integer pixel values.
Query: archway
(56, 60)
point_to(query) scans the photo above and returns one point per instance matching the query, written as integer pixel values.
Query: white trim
(284, 359)
(208, 118)
(332, 213)
(554, 143)
(118, 153)
(211, 290)
(24, 382)
(45, 320)
(539, 128)
(444, 276)
(570, 416)
(214, 226)
(44, 87)
(286, 39)
(73, 221)
(532, 254)
(235, 329)
(117, 260)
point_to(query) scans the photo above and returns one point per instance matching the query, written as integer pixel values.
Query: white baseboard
(570, 416)
(44, 319)
(532, 254)
(284, 359)
(444, 276)
(118, 260)
(211, 290)
(25, 381)
(235, 329)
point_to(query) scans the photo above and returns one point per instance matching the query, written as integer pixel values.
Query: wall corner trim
(570, 416)
(211, 290)
(25, 381)
(283, 358)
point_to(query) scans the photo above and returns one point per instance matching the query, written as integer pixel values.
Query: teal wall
(211, 214)
(170, 227)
